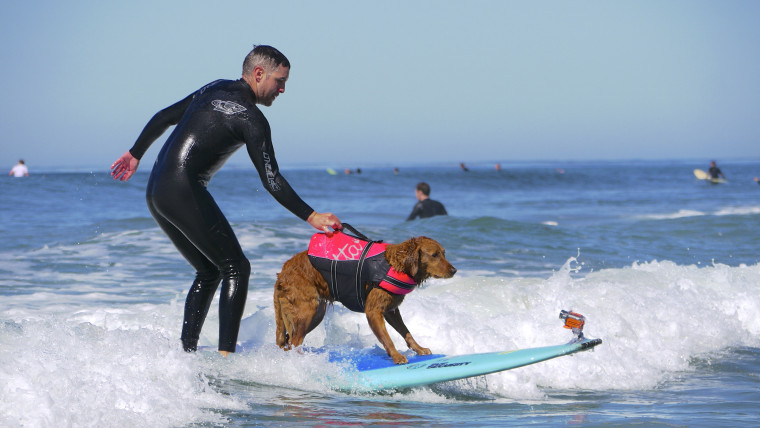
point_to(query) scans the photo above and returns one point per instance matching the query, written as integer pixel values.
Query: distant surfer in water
(212, 123)
(425, 206)
(715, 172)
(19, 170)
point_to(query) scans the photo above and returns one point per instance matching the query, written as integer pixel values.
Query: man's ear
(259, 73)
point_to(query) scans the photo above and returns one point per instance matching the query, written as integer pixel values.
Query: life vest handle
(356, 233)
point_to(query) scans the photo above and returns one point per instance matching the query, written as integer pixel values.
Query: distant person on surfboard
(211, 124)
(715, 172)
(425, 206)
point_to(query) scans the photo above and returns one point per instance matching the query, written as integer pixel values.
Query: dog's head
(424, 258)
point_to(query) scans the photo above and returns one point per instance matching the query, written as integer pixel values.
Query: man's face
(271, 85)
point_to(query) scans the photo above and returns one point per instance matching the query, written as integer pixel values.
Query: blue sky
(393, 82)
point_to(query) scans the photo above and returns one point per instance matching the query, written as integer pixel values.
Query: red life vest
(347, 263)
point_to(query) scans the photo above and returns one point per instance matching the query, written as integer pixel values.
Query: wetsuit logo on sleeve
(270, 173)
(227, 107)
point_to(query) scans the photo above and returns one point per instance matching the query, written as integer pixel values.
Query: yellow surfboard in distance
(701, 175)
(331, 171)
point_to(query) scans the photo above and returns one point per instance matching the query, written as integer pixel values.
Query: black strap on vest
(361, 298)
(355, 233)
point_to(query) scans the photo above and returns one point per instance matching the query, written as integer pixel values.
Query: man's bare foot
(224, 353)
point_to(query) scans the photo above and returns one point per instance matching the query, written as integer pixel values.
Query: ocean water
(664, 267)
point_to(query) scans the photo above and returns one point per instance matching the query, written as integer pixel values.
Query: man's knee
(211, 276)
(237, 269)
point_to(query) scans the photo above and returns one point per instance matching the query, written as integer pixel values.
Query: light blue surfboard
(375, 370)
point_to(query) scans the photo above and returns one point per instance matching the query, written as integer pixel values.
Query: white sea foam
(61, 372)
(739, 210)
(122, 366)
(653, 318)
(746, 210)
(675, 215)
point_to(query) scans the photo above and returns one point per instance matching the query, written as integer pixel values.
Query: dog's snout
(453, 270)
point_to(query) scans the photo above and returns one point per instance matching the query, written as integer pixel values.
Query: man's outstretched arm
(127, 164)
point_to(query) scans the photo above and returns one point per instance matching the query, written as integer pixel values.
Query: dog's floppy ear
(412, 257)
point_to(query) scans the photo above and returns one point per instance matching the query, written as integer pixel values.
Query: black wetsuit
(212, 124)
(427, 208)
(714, 172)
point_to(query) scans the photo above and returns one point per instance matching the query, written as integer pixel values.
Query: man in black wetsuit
(715, 172)
(211, 124)
(425, 206)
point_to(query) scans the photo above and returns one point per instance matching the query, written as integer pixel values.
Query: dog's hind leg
(307, 318)
(288, 335)
(298, 311)
(281, 336)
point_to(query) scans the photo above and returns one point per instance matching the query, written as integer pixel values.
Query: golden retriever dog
(301, 292)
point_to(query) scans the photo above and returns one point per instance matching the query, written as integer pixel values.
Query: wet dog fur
(301, 295)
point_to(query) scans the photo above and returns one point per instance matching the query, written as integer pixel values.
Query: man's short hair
(424, 188)
(266, 57)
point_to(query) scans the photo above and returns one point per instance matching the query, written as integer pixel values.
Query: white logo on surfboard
(227, 107)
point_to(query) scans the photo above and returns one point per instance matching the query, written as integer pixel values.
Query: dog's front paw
(423, 351)
(399, 358)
